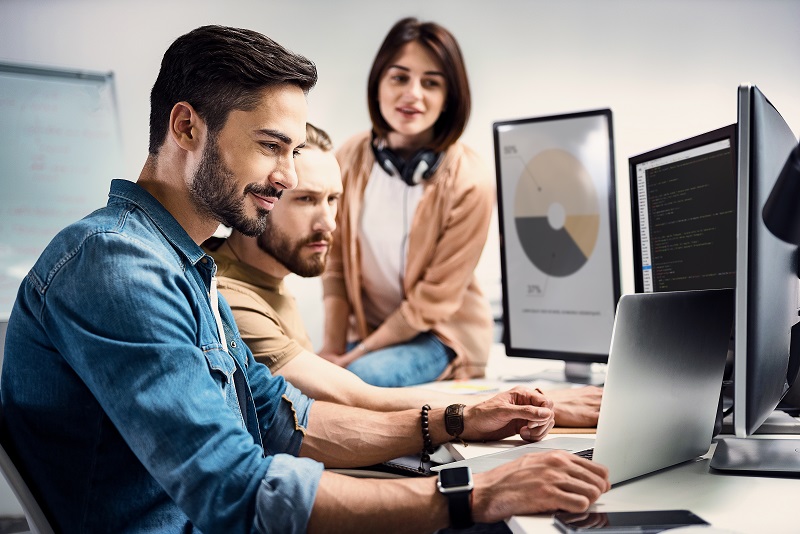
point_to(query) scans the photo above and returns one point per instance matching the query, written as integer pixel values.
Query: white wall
(668, 69)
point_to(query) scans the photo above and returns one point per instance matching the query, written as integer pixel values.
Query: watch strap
(454, 419)
(460, 508)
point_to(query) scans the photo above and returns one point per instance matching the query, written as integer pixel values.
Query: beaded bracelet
(427, 443)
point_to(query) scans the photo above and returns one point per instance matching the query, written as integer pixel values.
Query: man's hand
(333, 357)
(576, 407)
(343, 360)
(520, 410)
(537, 483)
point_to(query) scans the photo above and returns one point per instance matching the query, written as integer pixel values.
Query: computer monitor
(766, 267)
(558, 239)
(683, 214)
(766, 293)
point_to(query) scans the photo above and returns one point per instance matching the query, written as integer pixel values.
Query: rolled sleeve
(287, 438)
(286, 495)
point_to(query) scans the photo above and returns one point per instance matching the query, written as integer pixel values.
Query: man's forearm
(337, 314)
(409, 398)
(322, 380)
(403, 505)
(343, 436)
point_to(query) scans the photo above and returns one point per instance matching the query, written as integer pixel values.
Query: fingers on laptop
(537, 483)
(532, 396)
(535, 431)
(501, 417)
(522, 405)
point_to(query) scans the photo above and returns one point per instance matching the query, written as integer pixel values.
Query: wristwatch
(456, 484)
(454, 419)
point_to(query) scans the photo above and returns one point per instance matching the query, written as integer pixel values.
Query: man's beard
(215, 192)
(289, 254)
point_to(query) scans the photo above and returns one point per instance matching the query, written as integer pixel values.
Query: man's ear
(186, 128)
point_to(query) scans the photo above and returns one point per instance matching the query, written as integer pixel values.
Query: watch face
(456, 476)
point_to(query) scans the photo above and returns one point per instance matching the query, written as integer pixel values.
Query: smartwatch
(456, 484)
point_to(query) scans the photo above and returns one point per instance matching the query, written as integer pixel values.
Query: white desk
(504, 372)
(738, 504)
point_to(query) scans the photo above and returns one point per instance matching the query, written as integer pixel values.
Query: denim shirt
(119, 400)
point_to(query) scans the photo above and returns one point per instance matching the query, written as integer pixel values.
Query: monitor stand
(573, 373)
(760, 456)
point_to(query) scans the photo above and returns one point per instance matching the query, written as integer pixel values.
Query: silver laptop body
(662, 385)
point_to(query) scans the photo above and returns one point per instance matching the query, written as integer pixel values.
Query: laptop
(662, 386)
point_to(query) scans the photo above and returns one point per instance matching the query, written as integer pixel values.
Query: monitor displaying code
(687, 219)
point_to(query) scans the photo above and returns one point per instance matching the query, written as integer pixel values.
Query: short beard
(288, 253)
(215, 192)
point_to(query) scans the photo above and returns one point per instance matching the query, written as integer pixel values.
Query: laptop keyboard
(586, 453)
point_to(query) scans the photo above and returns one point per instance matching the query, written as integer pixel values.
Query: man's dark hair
(217, 69)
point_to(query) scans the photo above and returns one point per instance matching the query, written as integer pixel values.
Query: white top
(388, 209)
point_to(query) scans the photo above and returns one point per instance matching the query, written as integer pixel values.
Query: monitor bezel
(567, 356)
(725, 133)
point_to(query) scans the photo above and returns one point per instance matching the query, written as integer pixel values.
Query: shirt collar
(231, 267)
(163, 219)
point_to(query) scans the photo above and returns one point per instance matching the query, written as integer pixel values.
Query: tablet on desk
(625, 522)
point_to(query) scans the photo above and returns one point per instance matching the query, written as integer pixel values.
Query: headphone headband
(420, 166)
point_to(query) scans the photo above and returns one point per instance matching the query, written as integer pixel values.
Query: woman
(402, 305)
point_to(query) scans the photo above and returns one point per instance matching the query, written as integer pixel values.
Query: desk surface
(736, 504)
(504, 372)
(731, 503)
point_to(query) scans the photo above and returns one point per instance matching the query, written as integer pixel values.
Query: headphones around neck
(420, 166)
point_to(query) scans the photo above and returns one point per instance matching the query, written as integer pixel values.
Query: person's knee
(402, 366)
(366, 371)
(379, 372)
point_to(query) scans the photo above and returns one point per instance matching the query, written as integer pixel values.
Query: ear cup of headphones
(420, 166)
(391, 163)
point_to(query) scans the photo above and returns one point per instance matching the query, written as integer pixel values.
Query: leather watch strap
(454, 419)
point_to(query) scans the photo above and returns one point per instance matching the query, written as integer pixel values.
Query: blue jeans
(417, 361)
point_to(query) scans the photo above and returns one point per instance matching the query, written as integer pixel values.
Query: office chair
(37, 522)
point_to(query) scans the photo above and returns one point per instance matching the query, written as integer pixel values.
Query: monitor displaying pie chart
(559, 256)
(556, 212)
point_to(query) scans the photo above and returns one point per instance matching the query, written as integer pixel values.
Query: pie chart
(556, 212)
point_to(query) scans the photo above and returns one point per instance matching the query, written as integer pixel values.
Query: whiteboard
(60, 146)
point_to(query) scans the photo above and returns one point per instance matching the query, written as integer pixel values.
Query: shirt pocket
(220, 363)
(221, 367)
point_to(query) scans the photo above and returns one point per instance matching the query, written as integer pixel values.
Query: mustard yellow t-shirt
(266, 314)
